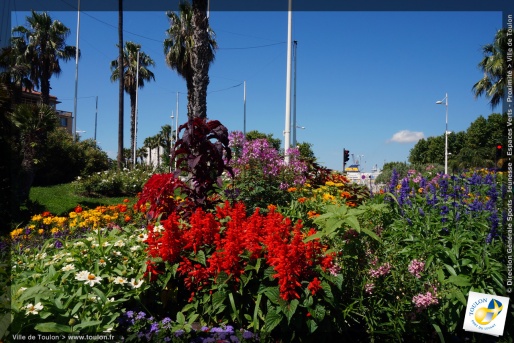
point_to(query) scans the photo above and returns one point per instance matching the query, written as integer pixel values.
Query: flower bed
(335, 260)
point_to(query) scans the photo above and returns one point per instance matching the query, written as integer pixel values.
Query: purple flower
(129, 314)
(140, 315)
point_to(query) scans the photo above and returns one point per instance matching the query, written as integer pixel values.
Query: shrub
(112, 182)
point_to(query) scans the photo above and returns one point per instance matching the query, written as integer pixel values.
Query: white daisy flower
(119, 243)
(68, 267)
(116, 253)
(134, 248)
(90, 239)
(136, 284)
(33, 309)
(142, 237)
(102, 262)
(90, 279)
(119, 280)
(158, 228)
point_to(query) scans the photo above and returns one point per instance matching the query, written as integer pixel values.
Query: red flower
(314, 286)
(78, 209)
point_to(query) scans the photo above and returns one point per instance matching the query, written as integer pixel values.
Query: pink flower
(422, 301)
(368, 288)
(416, 267)
(381, 271)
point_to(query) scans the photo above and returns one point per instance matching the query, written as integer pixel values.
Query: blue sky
(363, 78)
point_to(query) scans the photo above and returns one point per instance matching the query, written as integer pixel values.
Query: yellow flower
(37, 217)
(420, 190)
(40, 231)
(73, 215)
(291, 189)
(329, 183)
(47, 220)
(328, 197)
(54, 230)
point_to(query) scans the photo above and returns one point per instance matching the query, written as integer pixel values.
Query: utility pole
(294, 94)
(76, 75)
(287, 131)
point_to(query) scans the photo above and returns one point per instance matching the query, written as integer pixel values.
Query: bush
(113, 183)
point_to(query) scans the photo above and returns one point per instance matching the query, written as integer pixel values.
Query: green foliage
(113, 183)
(472, 148)
(254, 134)
(45, 281)
(63, 160)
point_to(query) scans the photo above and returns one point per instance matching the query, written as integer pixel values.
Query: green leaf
(273, 294)
(76, 308)
(272, 320)
(52, 327)
(200, 257)
(371, 234)
(218, 299)
(181, 320)
(290, 309)
(457, 294)
(86, 324)
(256, 312)
(450, 269)
(459, 280)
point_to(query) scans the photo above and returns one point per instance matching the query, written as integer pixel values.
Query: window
(64, 122)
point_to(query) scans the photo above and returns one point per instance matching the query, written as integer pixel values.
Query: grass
(61, 199)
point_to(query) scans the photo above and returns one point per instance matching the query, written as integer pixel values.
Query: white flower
(90, 279)
(116, 253)
(68, 267)
(94, 245)
(21, 289)
(142, 237)
(70, 259)
(119, 280)
(134, 248)
(119, 243)
(110, 300)
(136, 284)
(78, 244)
(106, 244)
(158, 228)
(90, 238)
(102, 262)
(33, 309)
(93, 298)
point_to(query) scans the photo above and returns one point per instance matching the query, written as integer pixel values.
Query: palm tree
(179, 49)
(141, 154)
(166, 140)
(203, 55)
(494, 66)
(121, 81)
(149, 144)
(130, 74)
(45, 44)
(33, 123)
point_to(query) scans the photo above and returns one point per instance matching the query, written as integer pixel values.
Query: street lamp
(294, 134)
(445, 102)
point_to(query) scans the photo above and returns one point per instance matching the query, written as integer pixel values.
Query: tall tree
(121, 81)
(131, 77)
(495, 68)
(180, 49)
(202, 57)
(33, 124)
(45, 44)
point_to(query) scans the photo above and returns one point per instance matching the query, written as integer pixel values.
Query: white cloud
(406, 136)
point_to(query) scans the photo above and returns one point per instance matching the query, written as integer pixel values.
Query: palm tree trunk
(121, 85)
(132, 121)
(201, 58)
(45, 84)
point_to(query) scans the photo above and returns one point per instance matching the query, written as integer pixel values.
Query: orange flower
(291, 189)
(78, 209)
(272, 207)
(127, 219)
(311, 214)
(126, 200)
(302, 200)
(351, 204)
(346, 195)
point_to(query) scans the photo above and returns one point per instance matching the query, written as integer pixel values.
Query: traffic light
(498, 151)
(346, 154)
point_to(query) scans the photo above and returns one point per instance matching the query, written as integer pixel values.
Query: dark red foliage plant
(202, 154)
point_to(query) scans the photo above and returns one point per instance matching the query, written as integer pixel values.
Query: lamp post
(445, 102)
(294, 135)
